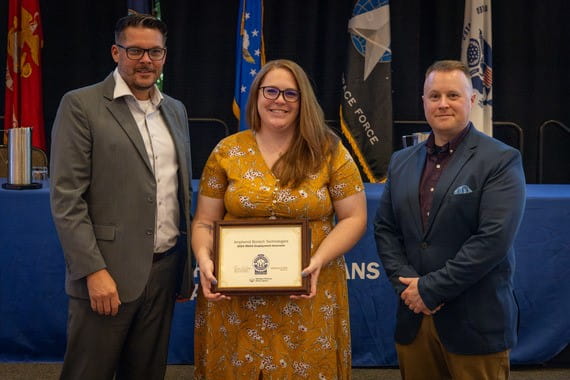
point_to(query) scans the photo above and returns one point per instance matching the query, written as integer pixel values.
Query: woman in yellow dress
(288, 165)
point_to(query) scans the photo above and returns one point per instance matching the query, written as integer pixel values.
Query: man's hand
(103, 293)
(412, 298)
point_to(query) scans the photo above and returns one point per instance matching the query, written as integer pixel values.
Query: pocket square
(463, 189)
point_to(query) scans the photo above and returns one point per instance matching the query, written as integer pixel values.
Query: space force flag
(476, 52)
(366, 109)
(250, 55)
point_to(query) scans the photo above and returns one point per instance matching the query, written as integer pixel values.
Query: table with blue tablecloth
(33, 304)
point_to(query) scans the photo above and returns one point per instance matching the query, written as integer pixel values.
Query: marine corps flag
(23, 101)
(477, 53)
(250, 54)
(366, 110)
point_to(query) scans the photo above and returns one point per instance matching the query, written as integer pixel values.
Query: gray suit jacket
(464, 257)
(103, 192)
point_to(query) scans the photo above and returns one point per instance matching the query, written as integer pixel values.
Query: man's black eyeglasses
(272, 93)
(134, 53)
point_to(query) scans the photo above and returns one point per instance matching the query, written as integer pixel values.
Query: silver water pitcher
(20, 156)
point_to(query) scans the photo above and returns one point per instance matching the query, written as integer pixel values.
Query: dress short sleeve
(345, 178)
(214, 180)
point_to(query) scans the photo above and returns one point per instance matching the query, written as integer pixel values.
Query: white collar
(122, 89)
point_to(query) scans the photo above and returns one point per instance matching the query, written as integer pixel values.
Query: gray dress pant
(131, 345)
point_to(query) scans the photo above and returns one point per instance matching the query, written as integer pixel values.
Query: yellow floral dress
(283, 338)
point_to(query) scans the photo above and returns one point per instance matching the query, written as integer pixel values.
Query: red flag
(23, 107)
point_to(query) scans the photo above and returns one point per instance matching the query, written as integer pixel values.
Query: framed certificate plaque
(255, 257)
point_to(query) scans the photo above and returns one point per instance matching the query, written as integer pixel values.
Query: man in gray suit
(120, 199)
(445, 230)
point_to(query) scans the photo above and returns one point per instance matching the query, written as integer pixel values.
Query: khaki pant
(426, 358)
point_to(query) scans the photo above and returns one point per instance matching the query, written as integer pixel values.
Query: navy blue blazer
(464, 258)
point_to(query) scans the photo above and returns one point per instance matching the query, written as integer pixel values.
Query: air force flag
(476, 52)
(250, 55)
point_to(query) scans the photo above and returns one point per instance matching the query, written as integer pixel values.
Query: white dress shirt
(163, 159)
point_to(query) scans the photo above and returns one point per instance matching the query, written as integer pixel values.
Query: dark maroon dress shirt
(437, 158)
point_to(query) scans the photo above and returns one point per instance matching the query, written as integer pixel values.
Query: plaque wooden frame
(261, 257)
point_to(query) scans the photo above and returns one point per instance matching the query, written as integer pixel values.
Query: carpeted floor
(50, 371)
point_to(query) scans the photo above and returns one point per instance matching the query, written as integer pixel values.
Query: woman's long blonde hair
(313, 141)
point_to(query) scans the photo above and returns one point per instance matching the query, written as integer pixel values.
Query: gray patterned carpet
(49, 371)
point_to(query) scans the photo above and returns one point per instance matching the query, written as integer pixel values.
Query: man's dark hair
(139, 20)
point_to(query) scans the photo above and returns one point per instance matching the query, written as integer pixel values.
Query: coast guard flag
(366, 110)
(23, 101)
(250, 54)
(476, 52)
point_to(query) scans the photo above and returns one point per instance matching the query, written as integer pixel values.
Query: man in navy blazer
(120, 199)
(445, 230)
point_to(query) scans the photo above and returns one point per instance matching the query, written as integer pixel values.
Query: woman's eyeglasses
(272, 93)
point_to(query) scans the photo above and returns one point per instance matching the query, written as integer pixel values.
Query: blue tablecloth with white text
(33, 304)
